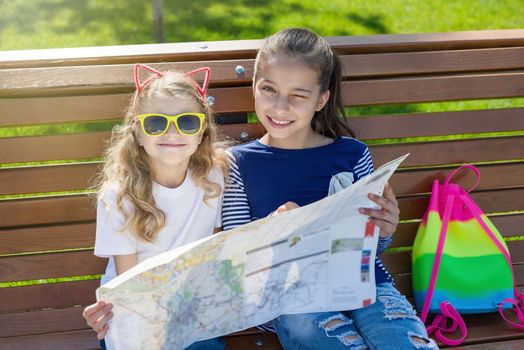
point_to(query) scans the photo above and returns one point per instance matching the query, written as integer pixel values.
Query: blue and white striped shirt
(262, 178)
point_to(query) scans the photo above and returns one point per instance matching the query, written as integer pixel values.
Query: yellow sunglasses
(156, 124)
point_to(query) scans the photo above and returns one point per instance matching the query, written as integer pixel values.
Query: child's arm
(124, 262)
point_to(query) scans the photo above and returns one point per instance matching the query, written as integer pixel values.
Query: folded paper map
(316, 258)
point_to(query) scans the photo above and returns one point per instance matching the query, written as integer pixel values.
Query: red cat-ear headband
(140, 85)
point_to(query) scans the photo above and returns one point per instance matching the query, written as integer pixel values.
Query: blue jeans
(389, 323)
(209, 344)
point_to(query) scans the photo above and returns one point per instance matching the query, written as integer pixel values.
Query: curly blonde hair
(126, 161)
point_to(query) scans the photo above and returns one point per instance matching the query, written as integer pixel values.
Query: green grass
(73, 23)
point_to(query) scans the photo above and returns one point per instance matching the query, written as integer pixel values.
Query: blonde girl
(162, 181)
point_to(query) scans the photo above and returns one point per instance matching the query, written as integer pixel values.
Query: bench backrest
(47, 268)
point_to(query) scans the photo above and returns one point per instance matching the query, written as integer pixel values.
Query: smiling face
(172, 149)
(287, 95)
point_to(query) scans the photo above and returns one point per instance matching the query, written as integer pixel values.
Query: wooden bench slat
(80, 77)
(432, 89)
(45, 321)
(67, 177)
(55, 265)
(508, 226)
(64, 109)
(485, 328)
(238, 49)
(400, 262)
(37, 239)
(44, 238)
(259, 341)
(78, 340)
(52, 178)
(55, 147)
(504, 345)
(420, 181)
(355, 93)
(412, 63)
(80, 208)
(437, 123)
(489, 201)
(42, 211)
(91, 145)
(451, 152)
(48, 295)
(223, 72)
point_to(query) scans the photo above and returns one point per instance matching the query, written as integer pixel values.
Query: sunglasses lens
(189, 124)
(155, 124)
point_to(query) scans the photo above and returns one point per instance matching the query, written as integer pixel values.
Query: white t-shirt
(188, 218)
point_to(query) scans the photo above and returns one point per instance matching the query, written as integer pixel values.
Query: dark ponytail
(314, 51)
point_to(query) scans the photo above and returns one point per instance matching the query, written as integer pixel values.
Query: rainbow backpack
(461, 264)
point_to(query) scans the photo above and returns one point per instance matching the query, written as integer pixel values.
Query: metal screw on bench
(244, 136)
(203, 46)
(240, 70)
(211, 100)
(259, 342)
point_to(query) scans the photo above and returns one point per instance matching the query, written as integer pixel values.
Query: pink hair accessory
(140, 85)
(205, 84)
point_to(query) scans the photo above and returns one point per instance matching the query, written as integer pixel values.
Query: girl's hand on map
(285, 207)
(387, 216)
(97, 315)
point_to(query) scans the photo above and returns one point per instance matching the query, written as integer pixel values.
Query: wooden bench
(46, 237)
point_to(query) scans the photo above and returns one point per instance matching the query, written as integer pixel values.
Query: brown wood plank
(410, 63)
(54, 147)
(42, 211)
(504, 345)
(54, 295)
(78, 340)
(121, 75)
(260, 340)
(486, 328)
(74, 146)
(67, 177)
(81, 208)
(91, 145)
(451, 152)
(37, 239)
(437, 123)
(508, 226)
(400, 262)
(430, 89)
(51, 178)
(247, 48)
(62, 109)
(489, 201)
(223, 72)
(46, 321)
(21, 268)
(355, 93)
(495, 176)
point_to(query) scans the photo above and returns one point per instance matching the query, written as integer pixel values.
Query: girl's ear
(322, 100)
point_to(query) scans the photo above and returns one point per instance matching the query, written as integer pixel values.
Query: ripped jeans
(389, 323)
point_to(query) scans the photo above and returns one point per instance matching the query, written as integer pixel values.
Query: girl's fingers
(380, 214)
(102, 326)
(390, 194)
(386, 228)
(91, 309)
(102, 334)
(387, 204)
(94, 319)
(285, 207)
